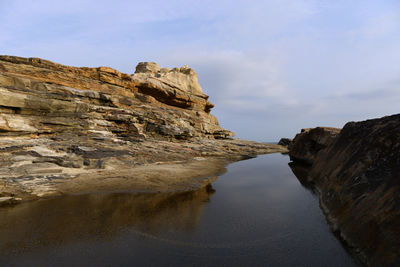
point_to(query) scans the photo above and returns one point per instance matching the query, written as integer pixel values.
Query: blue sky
(271, 67)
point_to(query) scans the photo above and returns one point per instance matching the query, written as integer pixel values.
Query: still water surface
(256, 214)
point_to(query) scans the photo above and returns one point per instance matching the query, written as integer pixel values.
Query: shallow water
(256, 214)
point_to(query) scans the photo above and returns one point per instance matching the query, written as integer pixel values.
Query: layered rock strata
(60, 124)
(356, 174)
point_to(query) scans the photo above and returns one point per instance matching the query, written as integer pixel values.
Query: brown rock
(179, 86)
(73, 90)
(60, 124)
(147, 67)
(357, 177)
(285, 142)
(309, 142)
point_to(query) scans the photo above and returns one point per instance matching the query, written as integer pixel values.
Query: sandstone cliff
(60, 124)
(357, 175)
(171, 105)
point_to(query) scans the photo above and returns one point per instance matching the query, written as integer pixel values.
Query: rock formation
(285, 142)
(356, 174)
(179, 82)
(175, 98)
(60, 124)
(308, 142)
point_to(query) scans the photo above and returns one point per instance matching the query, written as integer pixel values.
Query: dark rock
(285, 142)
(357, 175)
(309, 142)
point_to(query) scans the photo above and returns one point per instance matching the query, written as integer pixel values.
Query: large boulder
(147, 67)
(168, 85)
(285, 142)
(309, 142)
(183, 78)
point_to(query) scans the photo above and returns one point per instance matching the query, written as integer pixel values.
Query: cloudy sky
(271, 67)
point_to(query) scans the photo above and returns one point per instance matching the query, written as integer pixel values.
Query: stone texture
(285, 142)
(147, 67)
(60, 123)
(179, 86)
(309, 142)
(357, 178)
(174, 99)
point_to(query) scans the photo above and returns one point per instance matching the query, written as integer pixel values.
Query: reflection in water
(256, 214)
(301, 172)
(71, 218)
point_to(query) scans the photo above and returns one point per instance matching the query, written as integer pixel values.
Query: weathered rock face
(357, 176)
(59, 123)
(309, 142)
(285, 142)
(178, 80)
(172, 105)
(178, 87)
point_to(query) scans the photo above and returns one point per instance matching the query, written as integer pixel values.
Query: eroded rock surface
(61, 123)
(357, 177)
(177, 81)
(309, 142)
(285, 142)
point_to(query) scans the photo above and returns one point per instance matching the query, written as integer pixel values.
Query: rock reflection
(301, 172)
(75, 218)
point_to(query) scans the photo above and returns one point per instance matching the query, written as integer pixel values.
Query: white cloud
(233, 75)
(278, 65)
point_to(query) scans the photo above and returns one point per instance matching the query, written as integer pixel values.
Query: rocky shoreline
(355, 172)
(70, 130)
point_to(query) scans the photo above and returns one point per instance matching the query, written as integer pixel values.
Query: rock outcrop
(357, 177)
(61, 123)
(285, 142)
(309, 142)
(180, 83)
(170, 104)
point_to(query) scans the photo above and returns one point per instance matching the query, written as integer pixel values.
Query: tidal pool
(256, 214)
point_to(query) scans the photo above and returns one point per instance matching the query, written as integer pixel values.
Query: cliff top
(178, 87)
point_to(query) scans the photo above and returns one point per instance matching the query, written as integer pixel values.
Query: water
(257, 214)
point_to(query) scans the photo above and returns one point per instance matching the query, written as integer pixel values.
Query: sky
(271, 67)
